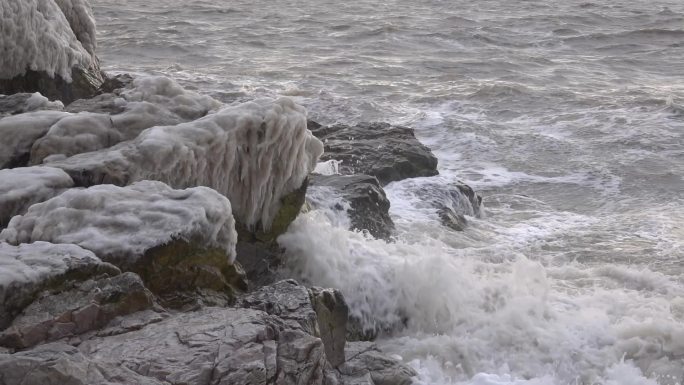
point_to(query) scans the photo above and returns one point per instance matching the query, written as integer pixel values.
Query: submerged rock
(177, 240)
(389, 153)
(90, 305)
(28, 269)
(368, 205)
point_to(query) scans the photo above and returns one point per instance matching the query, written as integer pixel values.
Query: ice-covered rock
(19, 132)
(109, 119)
(389, 153)
(28, 269)
(255, 154)
(90, 305)
(25, 186)
(26, 102)
(177, 240)
(368, 206)
(48, 46)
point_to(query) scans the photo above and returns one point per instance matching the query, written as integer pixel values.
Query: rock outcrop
(389, 153)
(177, 240)
(49, 47)
(368, 206)
(28, 269)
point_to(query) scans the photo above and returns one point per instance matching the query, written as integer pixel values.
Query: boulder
(332, 313)
(18, 133)
(389, 153)
(178, 241)
(49, 47)
(368, 206)
(26, 102)
(88, 306)
(367, 365)
(256, 154)
(22, 187)
(29, 269)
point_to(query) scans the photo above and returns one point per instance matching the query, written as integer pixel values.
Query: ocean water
(567, 117)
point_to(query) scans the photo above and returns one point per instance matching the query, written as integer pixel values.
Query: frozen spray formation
(38, 35)
(254, 153)
(124, 222)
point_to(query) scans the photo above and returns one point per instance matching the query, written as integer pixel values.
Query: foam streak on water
(566, 116)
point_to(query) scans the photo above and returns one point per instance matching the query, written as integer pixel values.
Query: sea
(566, 116)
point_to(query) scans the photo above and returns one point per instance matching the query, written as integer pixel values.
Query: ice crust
(124, 222)
(24, 186)
(254, 153)
(38, 35)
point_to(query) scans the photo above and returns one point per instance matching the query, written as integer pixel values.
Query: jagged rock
(332, 313)
(90, 305)
(368, 204)
(29, 269)
(114, 83)
(22, 187)
(18, 133)
(289, 301)
(390, 153)
(367, 365)
(215, 346)
(260, 261)
(181, 242)
(62, 364)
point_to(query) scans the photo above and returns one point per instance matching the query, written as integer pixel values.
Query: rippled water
(566, 116)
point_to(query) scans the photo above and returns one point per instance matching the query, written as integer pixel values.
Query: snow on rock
(25, 186)
(27, 269)
(79, 14)
(120, 224)
(19, 132)
(154, 100)
(254, 153)
(36, 35)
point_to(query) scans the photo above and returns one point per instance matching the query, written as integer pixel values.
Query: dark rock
(367, 365)
(114, 83)
(260, 262)
(85, 83)
(20, 132)
(453, 201)
(369, 206)
(41, 266)
(90, 305)
(332, 312)
(390, 153)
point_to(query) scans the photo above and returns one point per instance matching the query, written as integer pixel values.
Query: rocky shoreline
(139, 225)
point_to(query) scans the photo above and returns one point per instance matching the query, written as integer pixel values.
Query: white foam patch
(125, 222)
(464, 320)
(36, 35)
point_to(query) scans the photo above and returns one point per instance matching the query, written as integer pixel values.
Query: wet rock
(453, 202)
(62, 364)
(84, 84)
(286, 299)
(332, 312)
(28, 269)
(24, 186)
(115, 83)
(88, 306)
(367, 365)
(260, 261)
(390, 153)
(368, 204)
(215, 346)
